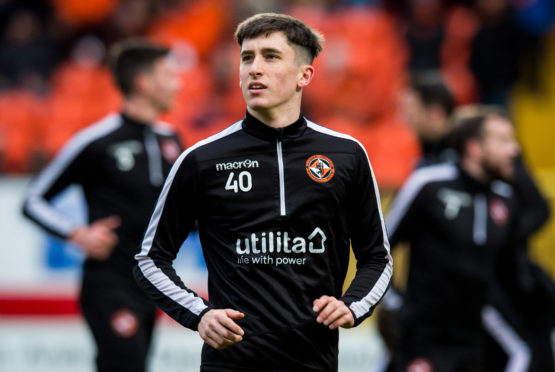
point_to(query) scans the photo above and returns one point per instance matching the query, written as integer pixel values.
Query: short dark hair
(468, 123)
(431, 90)
(295, 30)
(129, 58)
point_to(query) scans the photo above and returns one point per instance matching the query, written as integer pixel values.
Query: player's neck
(475, 170)
(276, 118)
(136, 108)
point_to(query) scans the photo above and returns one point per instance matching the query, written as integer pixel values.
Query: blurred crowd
(54, 80)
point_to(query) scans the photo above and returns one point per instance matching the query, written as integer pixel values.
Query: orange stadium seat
(392, 147)
(199, 22)
(80, 96)
(20, 132)
(460, 29)
(84, 12)
(362, 67)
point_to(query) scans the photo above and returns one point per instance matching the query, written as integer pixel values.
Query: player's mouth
(256, 87)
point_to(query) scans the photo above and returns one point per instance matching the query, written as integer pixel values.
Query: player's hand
(98, 239)
(333, 313)
(218, 329)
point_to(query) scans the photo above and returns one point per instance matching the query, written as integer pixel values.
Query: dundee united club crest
(320, 168)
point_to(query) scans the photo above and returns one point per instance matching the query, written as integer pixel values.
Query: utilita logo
(256, 248)
(231, 165)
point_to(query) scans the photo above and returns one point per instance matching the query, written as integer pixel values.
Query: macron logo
(247, 163)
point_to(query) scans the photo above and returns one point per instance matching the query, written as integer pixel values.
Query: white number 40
(243, 182)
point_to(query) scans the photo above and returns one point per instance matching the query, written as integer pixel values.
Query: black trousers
(121, 320)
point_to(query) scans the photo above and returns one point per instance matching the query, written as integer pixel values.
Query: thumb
(111, 222)
(234, 314)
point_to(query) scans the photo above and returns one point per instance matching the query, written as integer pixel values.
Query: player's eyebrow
(264, 50)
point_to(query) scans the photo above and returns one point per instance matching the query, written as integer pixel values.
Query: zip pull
(479, 232)
(282, 210)
(154, 158)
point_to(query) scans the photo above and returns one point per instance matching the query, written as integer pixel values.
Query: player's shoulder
(214, 143)
(163, 128)
(430, 175)
(94, 132)
(334, 137)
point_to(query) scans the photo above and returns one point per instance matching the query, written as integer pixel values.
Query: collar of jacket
(258, 129)
(473, 184)
(134, 122)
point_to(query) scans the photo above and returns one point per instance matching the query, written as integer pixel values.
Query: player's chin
(505, 174)
(258, 103)
(164, 105)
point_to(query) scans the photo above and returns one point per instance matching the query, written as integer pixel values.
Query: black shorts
(121, 319)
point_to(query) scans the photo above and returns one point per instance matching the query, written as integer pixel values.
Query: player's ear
(305, 76)
(473, 148)
(141, 82)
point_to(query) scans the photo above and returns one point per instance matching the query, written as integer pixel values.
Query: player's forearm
(43, 214)
(160, 281)
(369, 285)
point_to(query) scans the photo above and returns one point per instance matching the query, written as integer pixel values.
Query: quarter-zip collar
(151, 146)
(474, 184)
(134, 122)
(258, 129)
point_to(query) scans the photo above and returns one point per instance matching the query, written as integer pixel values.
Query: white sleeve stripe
(362, 307)
(36, 205)
(160, 281)
(517, 350)
(152, 273)
(365, 304)
(412, 187)
(48, 216)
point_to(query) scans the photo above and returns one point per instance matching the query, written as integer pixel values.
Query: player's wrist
(76, 234)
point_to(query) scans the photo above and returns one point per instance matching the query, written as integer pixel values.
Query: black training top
(121, 165)
(456, 227)
(277, 211)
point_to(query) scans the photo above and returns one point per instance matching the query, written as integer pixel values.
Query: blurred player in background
(456, 218)
(120, 163)
(278, 201)
(521, 317)
(427, 105)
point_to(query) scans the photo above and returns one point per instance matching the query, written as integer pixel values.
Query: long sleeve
(369, 241)
(67, 168)
(402, 218)
(533, 208)
(173, 218)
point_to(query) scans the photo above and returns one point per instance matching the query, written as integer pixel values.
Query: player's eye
(246, 58)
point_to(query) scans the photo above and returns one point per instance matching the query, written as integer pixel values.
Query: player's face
(269, 75)
(162, 84)
(499, 148)
(414, 112)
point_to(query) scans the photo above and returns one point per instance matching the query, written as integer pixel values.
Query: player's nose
(256, 67)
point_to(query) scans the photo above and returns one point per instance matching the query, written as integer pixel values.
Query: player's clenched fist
(333, 313)
(218, 329)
